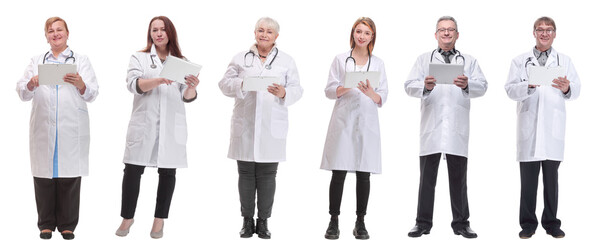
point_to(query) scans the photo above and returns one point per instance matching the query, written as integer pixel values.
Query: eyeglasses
(442, 30)
(547, 31)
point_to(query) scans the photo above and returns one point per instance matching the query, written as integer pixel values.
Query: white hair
(269, 23)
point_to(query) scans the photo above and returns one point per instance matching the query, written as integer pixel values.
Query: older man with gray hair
(444, 128)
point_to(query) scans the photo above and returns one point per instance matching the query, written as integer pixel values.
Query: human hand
(76, 80)
(430, 83)
(562, 83)
(461, 81)
(33, 83)
(277, 90)
(192, 81)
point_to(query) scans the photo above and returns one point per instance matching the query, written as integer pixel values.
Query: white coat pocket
(136, 129)
(180, 129)
(558, 127)
(279, 122)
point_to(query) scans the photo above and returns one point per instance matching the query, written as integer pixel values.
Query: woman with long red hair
(157, 131)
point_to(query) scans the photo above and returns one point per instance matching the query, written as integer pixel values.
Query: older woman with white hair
(260, 121)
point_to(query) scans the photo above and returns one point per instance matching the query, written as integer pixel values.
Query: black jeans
(256, 178)
(57, 203)
(131, 182)
(529, 176)
(457, 166)
(337, 187)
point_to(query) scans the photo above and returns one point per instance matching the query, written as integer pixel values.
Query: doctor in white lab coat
(353, 142)
(260, 122)
(157, 132)
(541, 126)
(59, 132)
(444, 126)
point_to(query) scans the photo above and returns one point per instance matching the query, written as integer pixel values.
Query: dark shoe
(466, 232)
(360, 232)
(261, 229)
(248, 228)
(526, 233)
(418, 231)
(45, 235)
(332, 232)
(556, 233)
(68, 235)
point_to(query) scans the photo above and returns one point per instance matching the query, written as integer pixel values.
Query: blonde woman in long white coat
(353, 140)
(59, 132)
(260, 122)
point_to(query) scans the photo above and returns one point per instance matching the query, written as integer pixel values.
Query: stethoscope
(530, 60)
(267, 66)
(458, 54)
(152, 62)
(72, 56)
(355, 61)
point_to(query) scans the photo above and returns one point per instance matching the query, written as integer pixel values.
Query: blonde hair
(52, 20)
(369, 23)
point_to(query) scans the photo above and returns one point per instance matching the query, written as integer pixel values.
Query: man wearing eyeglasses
(444, 126)
(541, 126)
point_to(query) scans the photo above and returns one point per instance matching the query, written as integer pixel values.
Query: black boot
(333, 232)
(262, 231)
(360, 232)
(248, 228)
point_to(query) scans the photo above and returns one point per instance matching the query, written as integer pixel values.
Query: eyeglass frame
(547, 31)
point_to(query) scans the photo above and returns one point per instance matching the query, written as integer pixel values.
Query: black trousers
(457, 166)
(131, 183)
(57, 203)
(337, 187)
(529, 179)
(256, 179)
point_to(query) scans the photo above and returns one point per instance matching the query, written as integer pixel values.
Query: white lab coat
(353, 141)
(259, 122)
(541, 111)
(445, 110)
(157, 131)
(63, 107)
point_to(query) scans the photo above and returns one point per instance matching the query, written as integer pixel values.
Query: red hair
(172, 45)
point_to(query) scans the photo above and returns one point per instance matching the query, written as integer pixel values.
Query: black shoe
(68, 235)
(418, 231)
(248, 228)
(556, 233)
(261, 229)
(526, 233)
(466, 232)
(360, 232)
(332, 232)
(45, 235)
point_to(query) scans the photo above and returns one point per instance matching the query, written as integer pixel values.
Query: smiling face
(158, 34)
(446, 34)
(57, 35)
(544, 36)
(362, 35)
(265, 37)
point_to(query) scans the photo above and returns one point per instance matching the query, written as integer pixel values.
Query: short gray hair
(269, 23)
(444, 18)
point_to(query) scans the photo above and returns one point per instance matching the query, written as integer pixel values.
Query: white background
(205, 204)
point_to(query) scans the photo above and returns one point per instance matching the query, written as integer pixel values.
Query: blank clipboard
(259, 83)
(352, 79)
(176, 69)
(53, 74)
(544, 75)
(445, 73)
